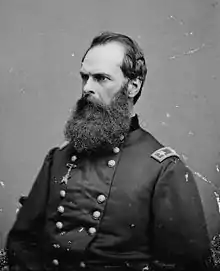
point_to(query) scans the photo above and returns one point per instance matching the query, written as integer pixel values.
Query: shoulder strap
(163, 153)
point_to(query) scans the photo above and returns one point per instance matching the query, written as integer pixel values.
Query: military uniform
(136, 207)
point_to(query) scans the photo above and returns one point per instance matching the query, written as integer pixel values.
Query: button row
(92, 230)
(100, 199)
(115, 150)
(56, 262)
(111, 163)
(96, 214)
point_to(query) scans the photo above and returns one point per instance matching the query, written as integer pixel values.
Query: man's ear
(134, 87)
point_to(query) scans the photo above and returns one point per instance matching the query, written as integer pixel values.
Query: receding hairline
(120, 44)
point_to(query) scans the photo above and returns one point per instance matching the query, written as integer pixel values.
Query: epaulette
(163, 153)
(63, 145)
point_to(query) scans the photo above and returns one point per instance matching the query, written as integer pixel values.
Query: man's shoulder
(57, 149)
(63, 145)
(156, 149)
(150, 142)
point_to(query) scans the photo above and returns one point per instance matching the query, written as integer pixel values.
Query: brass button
(96, 214)
(116, 150)
(73, 158)
(82, 264)
(92, 230)
(101, 198)
(62, 193)
(60, 209)
(59, 225)
(55, 262)
(111, 163)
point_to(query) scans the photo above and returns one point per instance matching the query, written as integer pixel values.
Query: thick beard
(94, 127)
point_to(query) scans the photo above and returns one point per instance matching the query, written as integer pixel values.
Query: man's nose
(89, 88)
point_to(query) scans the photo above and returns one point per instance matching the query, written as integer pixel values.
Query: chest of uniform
(123, 182)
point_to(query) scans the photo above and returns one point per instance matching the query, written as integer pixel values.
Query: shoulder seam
(63, 145)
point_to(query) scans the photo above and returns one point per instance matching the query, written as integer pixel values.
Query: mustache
(91, 101)
(88, 101)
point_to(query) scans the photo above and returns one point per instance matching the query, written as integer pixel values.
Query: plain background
(41, 45)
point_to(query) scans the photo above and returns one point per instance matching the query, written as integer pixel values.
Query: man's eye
(100, 78)
(84, 77)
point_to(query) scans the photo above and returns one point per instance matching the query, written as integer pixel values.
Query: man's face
(102, 115)
(101, 74)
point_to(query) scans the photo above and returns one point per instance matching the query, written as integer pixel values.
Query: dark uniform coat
(136, 207)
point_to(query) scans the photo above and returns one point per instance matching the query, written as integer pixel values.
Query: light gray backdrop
(41, 45)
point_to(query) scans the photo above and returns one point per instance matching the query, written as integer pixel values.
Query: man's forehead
(104, 57)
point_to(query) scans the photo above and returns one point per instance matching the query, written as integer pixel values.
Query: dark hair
(133, 65)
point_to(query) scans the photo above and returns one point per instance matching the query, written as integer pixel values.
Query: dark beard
(95, 127)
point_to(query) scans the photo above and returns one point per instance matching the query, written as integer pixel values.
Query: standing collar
(134, 123)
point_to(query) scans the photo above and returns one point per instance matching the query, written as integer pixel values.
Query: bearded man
(112, 197)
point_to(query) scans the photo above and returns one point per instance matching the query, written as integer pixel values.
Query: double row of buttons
(96, 214)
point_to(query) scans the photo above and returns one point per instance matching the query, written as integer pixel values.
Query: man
(112, 197)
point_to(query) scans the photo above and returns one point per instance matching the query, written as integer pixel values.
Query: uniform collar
(134, 125)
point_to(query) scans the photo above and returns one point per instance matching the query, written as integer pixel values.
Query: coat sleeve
(185, 219)
(23, 240)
